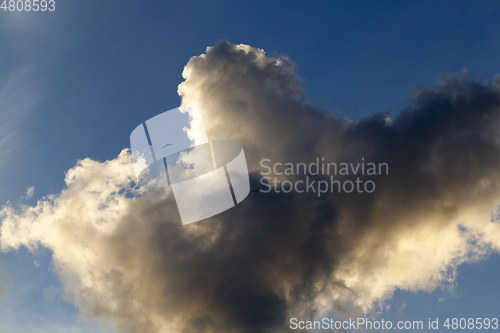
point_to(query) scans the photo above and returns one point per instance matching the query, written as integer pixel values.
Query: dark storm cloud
(278, 255)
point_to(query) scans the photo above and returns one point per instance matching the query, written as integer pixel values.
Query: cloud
(124, 255)
(30, 192)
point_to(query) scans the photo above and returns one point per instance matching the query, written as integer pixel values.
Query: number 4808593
(28, 5)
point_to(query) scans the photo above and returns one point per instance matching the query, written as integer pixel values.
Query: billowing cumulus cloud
(124, 255)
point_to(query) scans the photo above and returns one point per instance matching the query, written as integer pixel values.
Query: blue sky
(75, 82)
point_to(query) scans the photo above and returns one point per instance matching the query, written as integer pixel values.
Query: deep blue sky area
(75, 82)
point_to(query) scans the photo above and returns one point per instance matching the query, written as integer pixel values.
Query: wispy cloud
(30, 45)
(18, 95)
